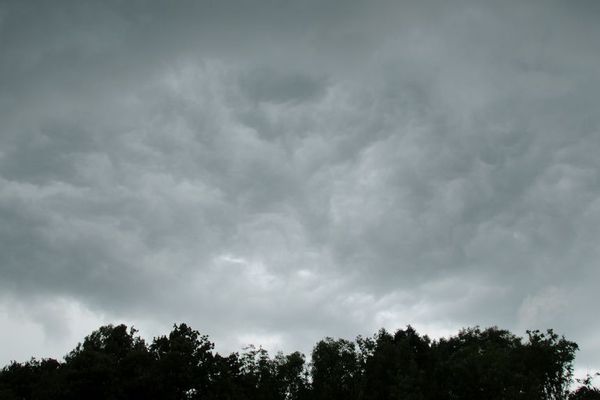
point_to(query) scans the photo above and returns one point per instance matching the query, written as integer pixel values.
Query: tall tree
(183, 363)
(335, 370)
(107, 365)
(548, 358)
(293, 376)
(398, 367)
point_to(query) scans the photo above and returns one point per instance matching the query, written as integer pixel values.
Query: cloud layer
(276, 173)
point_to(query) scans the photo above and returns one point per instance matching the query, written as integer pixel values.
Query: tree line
(114, 363)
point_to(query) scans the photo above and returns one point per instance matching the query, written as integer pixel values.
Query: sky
(274, 172)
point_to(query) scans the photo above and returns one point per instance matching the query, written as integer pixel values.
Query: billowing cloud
(280, 172)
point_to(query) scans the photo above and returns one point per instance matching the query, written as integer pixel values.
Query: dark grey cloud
(276, 172)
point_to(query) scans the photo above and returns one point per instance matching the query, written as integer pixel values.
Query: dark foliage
(586, 391)
(113, 363)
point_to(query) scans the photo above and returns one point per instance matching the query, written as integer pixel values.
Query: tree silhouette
(182, 363)
(586, 391)
(113, 363)
(335, 370)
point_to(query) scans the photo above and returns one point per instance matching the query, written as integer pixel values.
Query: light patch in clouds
(45, 328)
(544, 307)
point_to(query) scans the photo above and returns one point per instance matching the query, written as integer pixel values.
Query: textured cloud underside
(277, 173)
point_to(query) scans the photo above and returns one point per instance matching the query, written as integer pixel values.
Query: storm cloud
(274, 172)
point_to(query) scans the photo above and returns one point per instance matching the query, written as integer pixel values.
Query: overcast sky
(272, 172)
